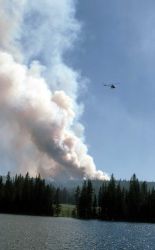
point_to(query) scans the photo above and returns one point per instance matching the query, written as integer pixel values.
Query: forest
(26, 195)
(116, 203)
(112, 201)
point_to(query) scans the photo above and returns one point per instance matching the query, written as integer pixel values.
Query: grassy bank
(66, 210)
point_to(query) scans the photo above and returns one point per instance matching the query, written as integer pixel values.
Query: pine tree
(57, 202)
(89, 199)
(77, 200)
(133, 199)
(94, 214)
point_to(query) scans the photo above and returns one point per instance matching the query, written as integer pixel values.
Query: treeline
(113, 202)
(26, 195)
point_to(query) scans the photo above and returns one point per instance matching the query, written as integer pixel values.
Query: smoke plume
(40, 130)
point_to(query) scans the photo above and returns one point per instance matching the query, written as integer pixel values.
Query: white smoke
(39, 114)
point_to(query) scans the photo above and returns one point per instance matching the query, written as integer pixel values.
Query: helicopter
(111, 85)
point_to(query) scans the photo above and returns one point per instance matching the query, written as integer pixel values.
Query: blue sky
(117, 44)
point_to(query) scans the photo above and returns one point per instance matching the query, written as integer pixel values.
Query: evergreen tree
(77, 200)
(57, 202)
(133, 199)
(89, 199)
(94, 214)
(111, 198)
(83, 201)
(8, 190)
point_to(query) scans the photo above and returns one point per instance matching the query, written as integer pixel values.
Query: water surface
(45, 233)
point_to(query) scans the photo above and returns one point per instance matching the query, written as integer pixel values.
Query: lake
(45, 233)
